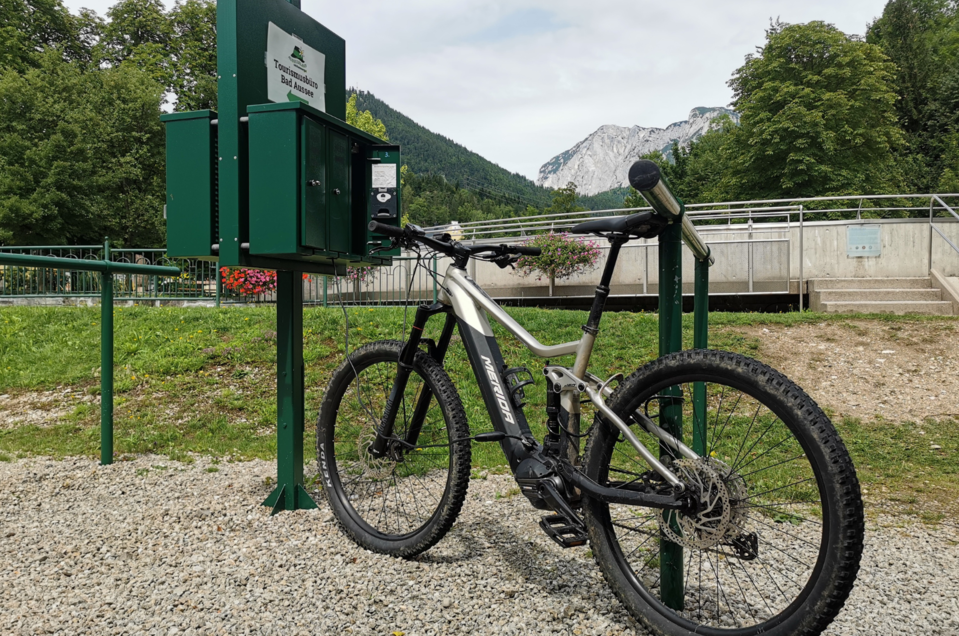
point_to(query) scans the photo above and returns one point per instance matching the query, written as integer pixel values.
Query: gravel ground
(157, 547)
(902, 371)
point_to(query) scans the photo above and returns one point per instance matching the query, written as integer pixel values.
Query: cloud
(520, 81)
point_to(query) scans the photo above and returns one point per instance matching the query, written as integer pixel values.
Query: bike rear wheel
(776, 544)
(405, 501)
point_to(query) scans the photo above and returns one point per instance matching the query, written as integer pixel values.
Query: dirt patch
(900, 371)
(41, 408)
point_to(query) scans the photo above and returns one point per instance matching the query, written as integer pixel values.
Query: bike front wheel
(402, 502)
(775, 543)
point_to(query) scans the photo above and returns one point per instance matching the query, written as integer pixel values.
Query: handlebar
(413, 234)
(645, 176)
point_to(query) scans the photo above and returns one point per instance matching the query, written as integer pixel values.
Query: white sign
(294, 71)
(384, 175)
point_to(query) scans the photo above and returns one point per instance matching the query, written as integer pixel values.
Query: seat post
(602, 290)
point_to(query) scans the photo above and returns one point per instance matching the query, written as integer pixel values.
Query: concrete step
(822, 284)
(858, 295)
(932, 308)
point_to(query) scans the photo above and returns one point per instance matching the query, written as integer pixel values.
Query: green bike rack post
(646, 178)
(700, 341)
(106, 361)
(106, 269)
(671, 410)
(289, 493)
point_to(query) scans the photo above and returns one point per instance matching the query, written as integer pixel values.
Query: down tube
(487, 363)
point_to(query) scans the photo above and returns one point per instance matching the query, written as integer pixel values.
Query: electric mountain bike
(716, 495)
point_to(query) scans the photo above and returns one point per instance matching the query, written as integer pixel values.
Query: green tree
(140, 33)
(193, 50)
(817, 115)
(364, 120)
(922, 38)
(81, 155)
(28, 27)
(563, 200)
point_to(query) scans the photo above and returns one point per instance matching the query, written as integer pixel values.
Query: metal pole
(106, 361)
(671, 411)
(219, 284)
(289, 493)
(929, 269)
(325, 279)
(435, 291)
(802, 258)
(700, 341)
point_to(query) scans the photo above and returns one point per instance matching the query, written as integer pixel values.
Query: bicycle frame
(466, 304)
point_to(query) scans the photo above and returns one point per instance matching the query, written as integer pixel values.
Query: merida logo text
(498, 390)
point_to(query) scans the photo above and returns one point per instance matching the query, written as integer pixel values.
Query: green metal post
(106, 361)
(325, 280)
(289, 493)
(671, 411)
(219, 284)
(700, 341)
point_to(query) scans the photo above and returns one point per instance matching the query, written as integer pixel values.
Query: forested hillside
(429, 153)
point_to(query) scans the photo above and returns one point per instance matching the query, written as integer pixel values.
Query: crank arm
(630, 436)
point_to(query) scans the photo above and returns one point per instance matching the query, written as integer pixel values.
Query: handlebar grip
(522, 250)
(386, 230)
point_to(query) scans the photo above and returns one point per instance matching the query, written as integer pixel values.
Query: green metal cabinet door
(339, 189)
(314, 217)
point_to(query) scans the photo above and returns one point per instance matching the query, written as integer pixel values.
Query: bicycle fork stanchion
(671, 410)
(700, 341)
(289, 493)
(106, 361)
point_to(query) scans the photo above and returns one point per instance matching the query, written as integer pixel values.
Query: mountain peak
(601, 161)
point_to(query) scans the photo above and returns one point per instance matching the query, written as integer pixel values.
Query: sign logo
(297, 58)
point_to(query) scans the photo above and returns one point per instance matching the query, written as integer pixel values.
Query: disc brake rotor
(373, 467)
(720, 513)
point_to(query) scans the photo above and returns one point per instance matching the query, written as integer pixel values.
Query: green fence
(203, 280)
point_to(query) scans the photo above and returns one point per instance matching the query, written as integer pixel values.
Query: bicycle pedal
(563, 531)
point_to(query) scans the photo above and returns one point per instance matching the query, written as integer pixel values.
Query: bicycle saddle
(641, 225)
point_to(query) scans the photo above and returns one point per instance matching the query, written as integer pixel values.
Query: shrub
(562, 257)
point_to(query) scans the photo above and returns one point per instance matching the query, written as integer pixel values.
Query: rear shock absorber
(553, 441)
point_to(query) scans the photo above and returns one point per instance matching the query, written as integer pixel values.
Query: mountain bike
(745, 519)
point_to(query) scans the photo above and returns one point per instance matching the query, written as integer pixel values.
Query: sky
(520, 81)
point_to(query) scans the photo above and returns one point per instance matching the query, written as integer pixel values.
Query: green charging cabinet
(191, 197)
(310, 179)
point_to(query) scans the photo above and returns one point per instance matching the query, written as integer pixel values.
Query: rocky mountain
(601, 161)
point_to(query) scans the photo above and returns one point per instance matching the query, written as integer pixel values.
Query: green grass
(202, 380)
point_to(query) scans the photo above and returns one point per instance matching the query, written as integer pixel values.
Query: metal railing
(106, 270)
(755, 217)
(753, 226)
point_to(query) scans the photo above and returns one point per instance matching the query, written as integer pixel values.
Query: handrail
(104, 267)
(645, 176)
(107, 269)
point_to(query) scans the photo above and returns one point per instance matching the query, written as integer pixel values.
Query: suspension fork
(426, 395)
(403, 369)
